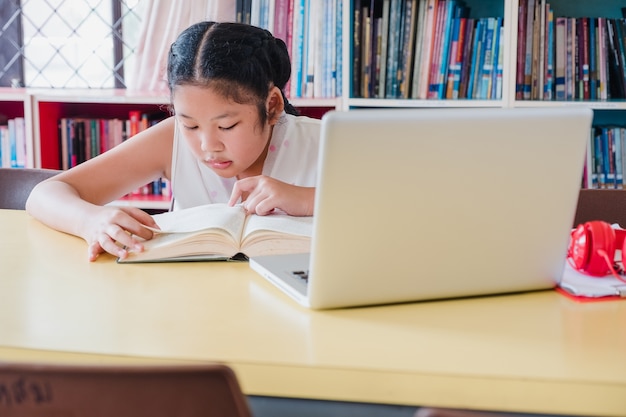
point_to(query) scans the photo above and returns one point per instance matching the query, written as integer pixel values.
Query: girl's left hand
(262, 194)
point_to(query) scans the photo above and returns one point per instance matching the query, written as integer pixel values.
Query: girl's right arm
(75, 200)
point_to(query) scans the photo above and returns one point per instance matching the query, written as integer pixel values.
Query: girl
(233, 137)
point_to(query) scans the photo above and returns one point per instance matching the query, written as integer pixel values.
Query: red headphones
(592, 248)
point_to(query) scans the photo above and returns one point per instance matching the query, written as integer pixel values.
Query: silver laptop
(423, 204)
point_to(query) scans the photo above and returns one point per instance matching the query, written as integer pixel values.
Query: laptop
(426, 204)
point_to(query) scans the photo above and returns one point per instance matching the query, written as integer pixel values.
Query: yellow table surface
(531, 352)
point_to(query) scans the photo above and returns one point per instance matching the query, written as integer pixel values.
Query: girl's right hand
(117, 230)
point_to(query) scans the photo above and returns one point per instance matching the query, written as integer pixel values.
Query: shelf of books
(75, 125)
(429, 53)
(16, 139)
(572, 53)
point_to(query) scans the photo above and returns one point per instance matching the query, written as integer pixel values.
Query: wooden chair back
(17, 183)
(608, 205)
(211, 390)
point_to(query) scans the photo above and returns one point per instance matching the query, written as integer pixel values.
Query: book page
(282, 223)
(277, 234)
(582, 285)
(210, 216)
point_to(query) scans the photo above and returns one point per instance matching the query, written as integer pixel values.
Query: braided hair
(239, 61)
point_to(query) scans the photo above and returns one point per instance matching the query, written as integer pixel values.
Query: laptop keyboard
(302, 275)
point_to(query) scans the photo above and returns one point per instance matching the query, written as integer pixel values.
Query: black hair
(239, 61)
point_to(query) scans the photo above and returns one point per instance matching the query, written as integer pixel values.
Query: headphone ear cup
(579, 247)
(589, 243)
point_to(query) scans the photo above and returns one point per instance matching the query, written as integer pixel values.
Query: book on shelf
(521, 48)
(13, 146)
(220, 232)
(298, 51)
(409, 28)
(422, 71)
(606, 158)
(455, 60)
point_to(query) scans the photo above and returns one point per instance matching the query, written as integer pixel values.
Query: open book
(220, 232)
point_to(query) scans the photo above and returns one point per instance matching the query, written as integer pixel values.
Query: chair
(46, 390)
(601, 204)
(17, 183)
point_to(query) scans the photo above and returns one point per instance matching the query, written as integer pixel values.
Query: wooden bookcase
(43, 109)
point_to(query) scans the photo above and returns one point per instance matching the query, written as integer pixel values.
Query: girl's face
(224, 135)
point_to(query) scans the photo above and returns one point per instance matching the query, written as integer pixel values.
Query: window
(69, 43)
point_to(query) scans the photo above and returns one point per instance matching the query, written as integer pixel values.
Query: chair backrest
(17, 183)
(601, 204)
(209, 390)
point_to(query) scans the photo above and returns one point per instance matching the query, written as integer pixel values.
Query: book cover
(20, 141)
(313, 36)
(602, 59)
(549, 55)
(442, 73)
(456, 45)
(583, 54)
(339, 49)
(528, 58)
(366, 49)
(582, 286)
(281, 19)
(427, 48)
(297, 51)
(560, 57)
(486, 67)
(289, 44)
(616, 68)
(496, 89)
(470, 31)
(5, 147)
(418, 47)
(409, 29)
(384, 40)
(395, 18)
(541, 50)
(477, 56)
(534, 70)
(617, 145)
(356, 49)
(570, 51)
(620, 26)
(436, 57)
(521, 48)
(593, 53)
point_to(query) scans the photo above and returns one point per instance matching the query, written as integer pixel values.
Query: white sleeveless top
(292, 158)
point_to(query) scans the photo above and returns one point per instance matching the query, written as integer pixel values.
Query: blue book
(454, 65)
(476, 53)
(392, 47)
(486, 60)
(549, 82)
(617, 146)
(339, 49)
(298, 52)
(13, 142)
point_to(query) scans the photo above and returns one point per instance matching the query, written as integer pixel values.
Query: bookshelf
(42, 109)
(517, 25)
